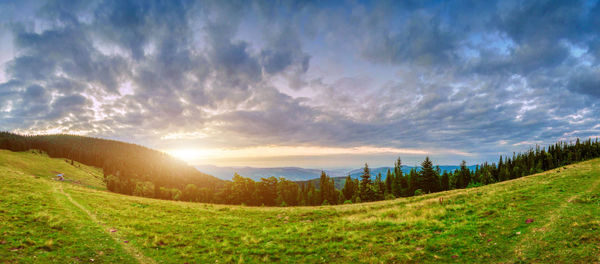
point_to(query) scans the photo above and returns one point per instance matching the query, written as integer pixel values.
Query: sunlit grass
(479, 225)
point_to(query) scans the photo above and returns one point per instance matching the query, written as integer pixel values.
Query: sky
(317, 84)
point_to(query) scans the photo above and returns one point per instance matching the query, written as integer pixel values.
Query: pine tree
(366, 187)
(465, 175)
(445, 182)
(323, 187)
(311, 194)
(398, 188)
(379, 187)
(333, 193)
(404, 186)
(429, 181)
(413, 182)
(349, 188)
(302, 196)
(389, 180)
(486, 176)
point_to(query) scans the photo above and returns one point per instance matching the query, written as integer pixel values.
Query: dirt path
(133, 251)
(527, 240)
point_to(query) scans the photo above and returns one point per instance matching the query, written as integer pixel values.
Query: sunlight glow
(190, 155)
(200, 155)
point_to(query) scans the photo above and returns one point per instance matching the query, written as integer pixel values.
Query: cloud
(422, 40)
(401, 75)
(586, 82)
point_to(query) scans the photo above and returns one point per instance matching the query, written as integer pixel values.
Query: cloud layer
(476, 77)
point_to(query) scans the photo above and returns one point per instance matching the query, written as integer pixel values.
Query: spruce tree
(366, 187)
(397, 185)
(323, 187)
(349, 188)
(465, 175)
(311, 194)
(413, 182)
(428, 177)
(389, 180)
(445, 182)
(379, 187)
(404, 187)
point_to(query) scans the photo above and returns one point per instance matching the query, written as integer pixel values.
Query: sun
(188, 154)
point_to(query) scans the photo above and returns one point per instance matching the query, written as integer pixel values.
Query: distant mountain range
(290, 173)
(300, 174)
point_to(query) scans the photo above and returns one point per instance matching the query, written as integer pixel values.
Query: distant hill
(300, 174)
(290, 173)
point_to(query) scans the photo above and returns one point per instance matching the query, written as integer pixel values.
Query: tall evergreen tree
(445, 181)
(349, 188)
(389, 180)
(379, 188)
(397, 188)
(465, 175)
(311, 196)
(366, 187)
(404, 186)
(413, 182)
(323, 187)
(486, 175)
(429, 180)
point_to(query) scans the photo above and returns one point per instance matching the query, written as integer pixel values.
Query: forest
(135, 170)
(128, 168)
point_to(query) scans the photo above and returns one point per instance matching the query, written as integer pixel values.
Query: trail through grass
(40, 225)
(488, 224)
(115, 235)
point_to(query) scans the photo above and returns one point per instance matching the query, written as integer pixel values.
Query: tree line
(136, 170)
(430, 179)
(425, 179)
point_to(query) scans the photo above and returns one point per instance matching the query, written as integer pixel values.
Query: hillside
(127, 167)
(550, 217)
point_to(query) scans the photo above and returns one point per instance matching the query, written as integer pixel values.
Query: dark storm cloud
(469, 75)
(66, 104)
(285, 50)
(542, 20)
(587, 83)
(422, 39)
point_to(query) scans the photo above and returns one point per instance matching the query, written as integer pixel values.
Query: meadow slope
(551, 217)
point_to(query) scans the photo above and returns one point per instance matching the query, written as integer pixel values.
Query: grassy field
(552, 217)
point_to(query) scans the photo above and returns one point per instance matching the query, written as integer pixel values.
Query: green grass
(43, 220)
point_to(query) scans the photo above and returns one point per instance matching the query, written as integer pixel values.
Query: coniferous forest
(140, 171)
